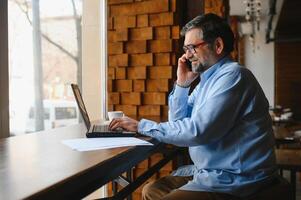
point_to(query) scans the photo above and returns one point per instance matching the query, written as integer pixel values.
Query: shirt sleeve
(209, 122)
(180, 104)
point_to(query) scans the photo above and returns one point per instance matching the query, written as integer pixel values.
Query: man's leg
(198, 195)
(161, 187)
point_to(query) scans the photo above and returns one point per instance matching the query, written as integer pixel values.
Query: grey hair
(193, 24)
(211, 27)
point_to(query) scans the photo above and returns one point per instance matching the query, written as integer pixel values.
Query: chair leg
(293, 182)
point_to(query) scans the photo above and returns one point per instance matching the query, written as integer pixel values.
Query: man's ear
(219, 46)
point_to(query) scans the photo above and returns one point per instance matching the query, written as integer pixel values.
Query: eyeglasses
(191, 47)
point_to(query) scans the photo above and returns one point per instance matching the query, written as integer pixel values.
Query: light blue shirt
(226, 125)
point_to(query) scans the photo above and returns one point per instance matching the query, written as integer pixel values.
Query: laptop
(96, 130)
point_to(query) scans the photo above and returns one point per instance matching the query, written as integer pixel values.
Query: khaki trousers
(166, 188)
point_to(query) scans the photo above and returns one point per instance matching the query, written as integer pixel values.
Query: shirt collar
(207, 73)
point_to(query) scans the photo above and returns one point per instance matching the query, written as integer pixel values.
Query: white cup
(115, 114)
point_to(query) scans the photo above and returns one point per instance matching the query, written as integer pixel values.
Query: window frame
(4, 81)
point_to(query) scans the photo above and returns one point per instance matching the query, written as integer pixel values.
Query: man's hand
(126, 123)
(184, 75)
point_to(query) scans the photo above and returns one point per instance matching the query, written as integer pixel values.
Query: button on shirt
(227, 127)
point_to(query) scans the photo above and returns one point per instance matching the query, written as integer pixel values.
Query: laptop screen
(81, 105)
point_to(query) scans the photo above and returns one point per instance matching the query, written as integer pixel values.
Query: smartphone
(188, 63)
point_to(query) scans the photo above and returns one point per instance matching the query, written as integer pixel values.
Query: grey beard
(198, 69)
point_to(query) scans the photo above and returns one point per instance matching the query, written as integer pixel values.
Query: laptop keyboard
(103, 131)
(100, 128)
(104, 128)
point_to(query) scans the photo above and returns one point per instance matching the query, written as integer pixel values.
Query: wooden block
(154, 98)
(118, 60)
(111, 73)
(110, 107)
(175, 32)
(120, 73)
(157, 46)
(111, 36)
(111, 2)
(152, 6)
(156, 158)
(162, 19)
(160, 72)
(162, 59)
(115, 48)
(123, 85)
(113, 98)
(142, 20)
(141, 59)
(164, 110)
(174, 60)
(138, 171)
(110, 23)
(142, 165)
(141, 33)
(163, 173)
(121, 34)
(124, 22)
(139, 85)
(176, 45)
(129, 110)
(149, 110)
(157, 85)
(136, 72)
(110, 85)
(136, 46)
(133, 98)
(162, 32)
(173, 5)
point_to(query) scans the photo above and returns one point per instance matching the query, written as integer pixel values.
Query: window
(45, 50)
(65, 113)
(46, 113)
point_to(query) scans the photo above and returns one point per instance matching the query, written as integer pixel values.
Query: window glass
(44, 59)
(65, 113)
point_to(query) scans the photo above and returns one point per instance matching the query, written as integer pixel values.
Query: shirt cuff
(144, 127)
(180, 91)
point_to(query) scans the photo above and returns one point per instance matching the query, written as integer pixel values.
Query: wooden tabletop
(289, 158)
(39, 166)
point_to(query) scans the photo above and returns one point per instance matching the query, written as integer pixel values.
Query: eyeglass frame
(191, 47)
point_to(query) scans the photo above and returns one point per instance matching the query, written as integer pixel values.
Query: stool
(279, 189)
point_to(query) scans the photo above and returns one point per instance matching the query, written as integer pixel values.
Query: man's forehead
(193, 35)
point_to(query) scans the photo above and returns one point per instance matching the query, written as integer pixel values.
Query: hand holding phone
(188, 63)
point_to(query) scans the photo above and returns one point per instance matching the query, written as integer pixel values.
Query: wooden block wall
(143, 43)
(215, 6)
(143, 40)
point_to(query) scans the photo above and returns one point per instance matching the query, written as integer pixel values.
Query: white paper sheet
(90, 144)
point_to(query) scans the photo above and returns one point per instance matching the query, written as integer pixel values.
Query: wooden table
(39, 166)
